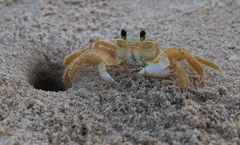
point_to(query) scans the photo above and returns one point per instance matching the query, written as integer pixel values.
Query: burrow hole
(47, 77)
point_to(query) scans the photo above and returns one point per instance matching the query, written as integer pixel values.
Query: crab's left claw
(158, 67)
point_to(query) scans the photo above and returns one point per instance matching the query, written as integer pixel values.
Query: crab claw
(159, 68)
(103, 73)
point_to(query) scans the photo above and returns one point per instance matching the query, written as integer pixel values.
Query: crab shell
(136, 52)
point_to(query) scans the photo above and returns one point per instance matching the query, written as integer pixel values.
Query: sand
(35, 108)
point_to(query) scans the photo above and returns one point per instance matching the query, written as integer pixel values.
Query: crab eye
(123, 34)
(142, 35)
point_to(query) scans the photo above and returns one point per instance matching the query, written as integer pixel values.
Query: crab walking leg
(74, 67)
(157, 67)
(103, 73)
(66, 80)
(196, 67)
(181, 75)
(108, 47)
(92, 57)
(70, 58)
(208, 63)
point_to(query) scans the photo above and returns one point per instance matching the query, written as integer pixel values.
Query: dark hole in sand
(47, 77)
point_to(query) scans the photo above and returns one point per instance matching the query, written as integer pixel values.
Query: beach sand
(36, 108)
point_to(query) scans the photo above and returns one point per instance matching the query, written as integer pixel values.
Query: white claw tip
(104, 74)
(142, 72)
(159, 69)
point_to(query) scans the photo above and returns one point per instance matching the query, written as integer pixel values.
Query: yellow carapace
(141, 52)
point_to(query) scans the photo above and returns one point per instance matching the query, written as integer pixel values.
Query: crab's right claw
(159, 67)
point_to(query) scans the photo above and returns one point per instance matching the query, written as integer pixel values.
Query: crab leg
(158, 67)
(89, 57)
(72, 68)
(107, 47)
(70, 58)
(208, 63)
(181, 75)
(196, 67)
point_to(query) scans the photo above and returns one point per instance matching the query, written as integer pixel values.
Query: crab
(143, 52)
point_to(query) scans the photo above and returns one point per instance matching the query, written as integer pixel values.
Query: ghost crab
(135, 52)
